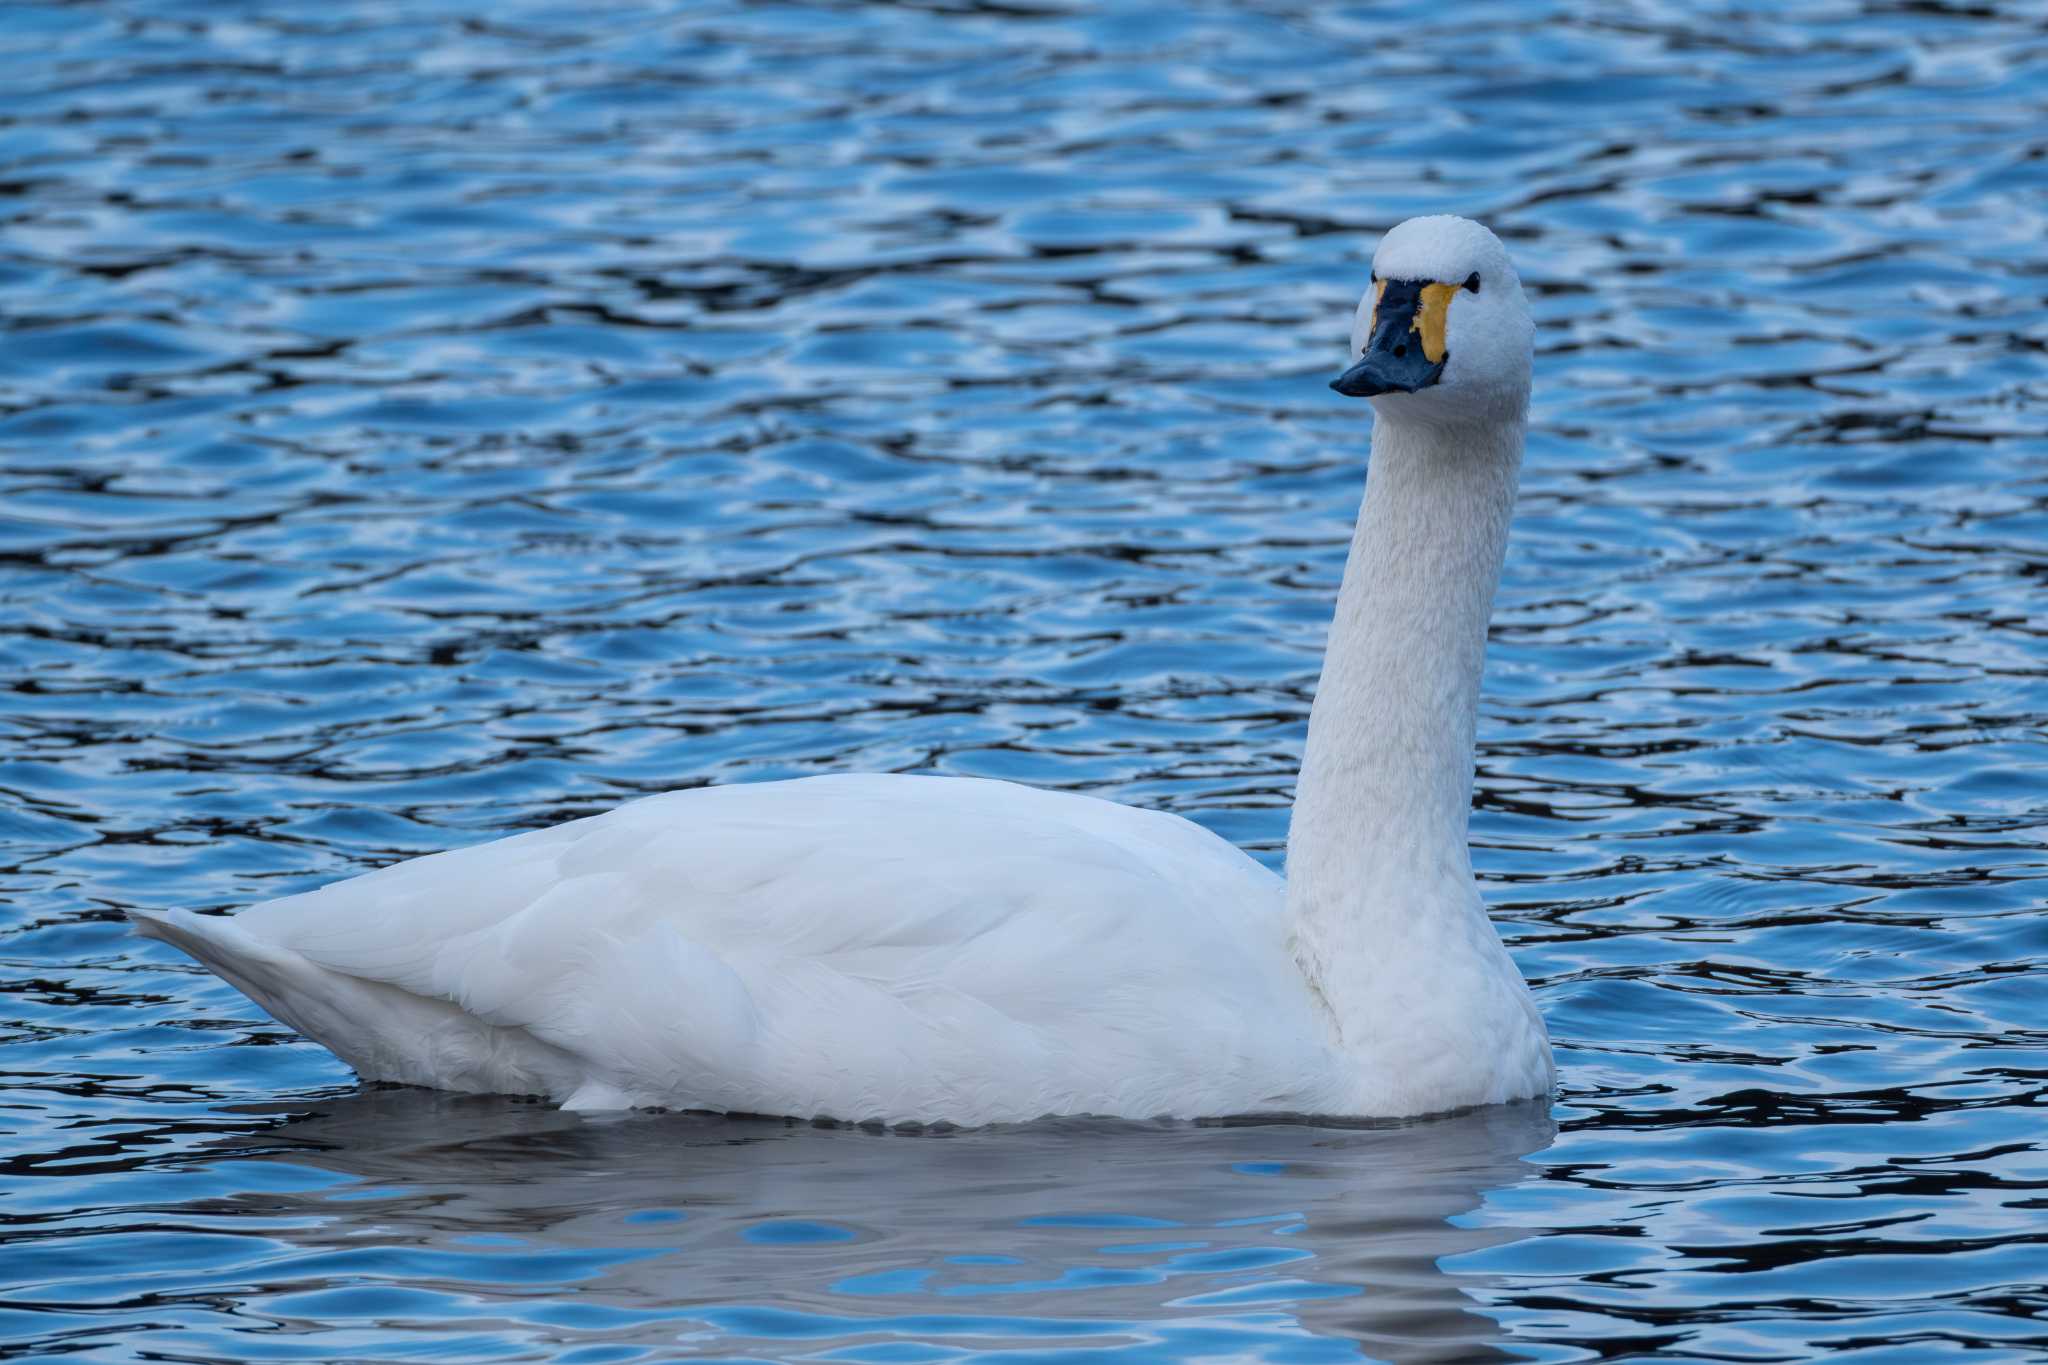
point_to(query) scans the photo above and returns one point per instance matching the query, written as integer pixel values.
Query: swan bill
(1405, 349)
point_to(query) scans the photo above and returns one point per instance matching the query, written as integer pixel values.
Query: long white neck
(1379, 828)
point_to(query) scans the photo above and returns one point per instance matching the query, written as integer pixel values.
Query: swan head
(1443, 333)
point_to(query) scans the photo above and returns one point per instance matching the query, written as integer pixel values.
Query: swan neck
(1381, 808)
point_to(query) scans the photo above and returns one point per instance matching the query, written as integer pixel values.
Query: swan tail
(385, 1033)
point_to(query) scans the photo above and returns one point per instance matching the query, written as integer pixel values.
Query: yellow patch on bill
(1431, 316)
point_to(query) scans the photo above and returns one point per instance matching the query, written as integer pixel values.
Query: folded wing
(902, 948)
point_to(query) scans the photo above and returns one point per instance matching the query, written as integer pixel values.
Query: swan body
(931, 949)
(872, 945)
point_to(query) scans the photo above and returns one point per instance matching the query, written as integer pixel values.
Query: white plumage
(925, 949)
(860, 946)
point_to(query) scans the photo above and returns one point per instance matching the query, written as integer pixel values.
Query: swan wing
(892, 947)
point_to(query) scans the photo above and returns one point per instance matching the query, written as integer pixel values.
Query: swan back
(860, 947)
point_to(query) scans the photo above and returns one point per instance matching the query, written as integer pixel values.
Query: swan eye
(1472, 281)
(1375, 277)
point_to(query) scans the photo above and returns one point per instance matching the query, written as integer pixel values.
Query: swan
(924, 950)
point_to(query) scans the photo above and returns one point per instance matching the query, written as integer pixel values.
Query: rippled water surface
(417, 423)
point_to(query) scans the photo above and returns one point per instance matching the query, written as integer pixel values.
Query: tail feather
(385, 1033)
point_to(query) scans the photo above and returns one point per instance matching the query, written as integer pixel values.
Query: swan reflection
(408, 1213)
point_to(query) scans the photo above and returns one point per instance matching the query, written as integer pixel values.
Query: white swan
(926, 949)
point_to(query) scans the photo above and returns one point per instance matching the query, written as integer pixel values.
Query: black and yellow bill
(1404, 347)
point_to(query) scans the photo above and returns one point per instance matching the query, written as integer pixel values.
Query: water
(418, 424)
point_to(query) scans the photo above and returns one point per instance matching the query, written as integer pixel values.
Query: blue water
(419, 423)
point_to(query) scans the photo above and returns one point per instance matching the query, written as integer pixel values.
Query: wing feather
(857, 946)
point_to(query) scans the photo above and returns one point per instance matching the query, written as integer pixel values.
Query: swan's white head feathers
(1443, 333)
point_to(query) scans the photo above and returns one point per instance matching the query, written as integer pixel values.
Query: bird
(917, 950)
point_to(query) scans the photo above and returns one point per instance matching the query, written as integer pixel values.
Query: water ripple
(415, 425)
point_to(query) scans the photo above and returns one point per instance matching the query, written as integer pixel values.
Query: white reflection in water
(739, 1235)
